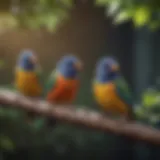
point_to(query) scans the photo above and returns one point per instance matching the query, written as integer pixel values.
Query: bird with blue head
(64, 80)
(111, 90)
(107, 70)
(27, 60)
(27, 79)
(63, 84)
(69, 67)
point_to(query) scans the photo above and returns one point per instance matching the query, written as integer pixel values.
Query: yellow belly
(27, 83)
(105, 95)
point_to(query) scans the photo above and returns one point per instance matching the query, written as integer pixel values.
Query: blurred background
(128, 30)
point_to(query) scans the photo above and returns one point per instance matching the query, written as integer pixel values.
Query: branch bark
(81, 117)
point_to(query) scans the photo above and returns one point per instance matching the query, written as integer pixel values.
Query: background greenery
(21, 141)
(50, 13)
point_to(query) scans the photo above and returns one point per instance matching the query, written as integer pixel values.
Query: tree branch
(80, 117)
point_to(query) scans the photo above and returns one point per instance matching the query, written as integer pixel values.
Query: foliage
(50, 14)
(35, 14)
(44, 13)
(149, 112)
(145, 12)
(150, 107)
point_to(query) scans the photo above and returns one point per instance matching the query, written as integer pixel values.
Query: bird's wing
(38, 72)
(51, 81)
(123, 91)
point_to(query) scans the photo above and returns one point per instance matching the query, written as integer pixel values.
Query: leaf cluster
(141, 13)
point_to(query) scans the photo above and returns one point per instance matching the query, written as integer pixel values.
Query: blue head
(27, 60)
(69, 66)
(107, 69)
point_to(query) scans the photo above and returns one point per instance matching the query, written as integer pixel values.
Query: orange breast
(105, 95)
(64, 91)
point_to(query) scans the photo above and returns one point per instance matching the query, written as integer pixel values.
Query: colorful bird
(110, 89)
(63, 83)
(27, 78)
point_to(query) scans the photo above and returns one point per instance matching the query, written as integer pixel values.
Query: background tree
(50, 13)
(140, 12)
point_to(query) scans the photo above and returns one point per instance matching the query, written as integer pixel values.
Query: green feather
(38, 72)
(51, 81)
(123, 91)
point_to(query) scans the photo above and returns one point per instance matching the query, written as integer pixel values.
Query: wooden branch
(81, 117)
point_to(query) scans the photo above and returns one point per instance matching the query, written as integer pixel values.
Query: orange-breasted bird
(111, 90)
(63, 83)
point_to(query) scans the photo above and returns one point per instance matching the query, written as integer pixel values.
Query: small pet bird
(110, 89)
(63, 83)
(27, 78)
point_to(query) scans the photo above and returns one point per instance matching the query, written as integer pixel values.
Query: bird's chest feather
(28, 83)
(68, 89)
(107, 97)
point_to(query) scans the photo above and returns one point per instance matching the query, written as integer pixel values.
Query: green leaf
(7, 21)
(140, 111)
(154, 119)
(142, 16)
(6, 143)
(43, 2)
(32, 22)
(154, 25)
(51, 22)
(66, 3)
(122, 17)
(149, 98)
(113, 8)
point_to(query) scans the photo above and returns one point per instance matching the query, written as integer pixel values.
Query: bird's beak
(115, 68)
(79, 66)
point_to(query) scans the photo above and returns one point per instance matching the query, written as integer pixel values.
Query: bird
(64, 81)
(27, 77)
(111, 90)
